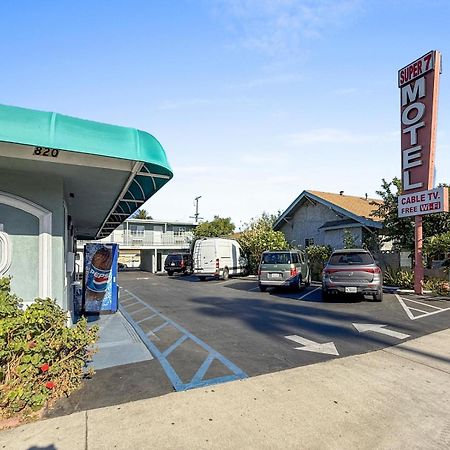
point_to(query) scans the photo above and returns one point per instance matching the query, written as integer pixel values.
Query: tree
(259, 236)
(219, 227)
(401, 230)
(437, 246)
(141, 214)
(349, 240)
(318, 255)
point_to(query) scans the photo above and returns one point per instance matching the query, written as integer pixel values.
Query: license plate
(351, 290)
(275, 275)
(172, 264)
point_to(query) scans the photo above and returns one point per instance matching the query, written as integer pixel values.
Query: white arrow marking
(377, 328)
(310, 346)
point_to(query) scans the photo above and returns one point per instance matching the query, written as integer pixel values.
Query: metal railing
(146, 239)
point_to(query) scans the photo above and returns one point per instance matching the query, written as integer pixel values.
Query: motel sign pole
(419, 87)
(418, 257)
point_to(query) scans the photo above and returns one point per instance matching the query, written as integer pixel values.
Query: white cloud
(279, 26)
(337, 136)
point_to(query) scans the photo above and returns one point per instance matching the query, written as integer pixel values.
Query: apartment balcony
(146, 239)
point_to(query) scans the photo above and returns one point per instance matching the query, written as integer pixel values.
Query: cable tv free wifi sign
(424, 202)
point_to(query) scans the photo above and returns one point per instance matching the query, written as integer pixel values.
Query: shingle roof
(356, 205)
(358, 209)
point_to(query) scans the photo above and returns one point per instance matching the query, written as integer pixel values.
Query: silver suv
(352, 271)
(288, 268)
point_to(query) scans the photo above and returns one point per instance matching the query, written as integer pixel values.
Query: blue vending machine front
(100, 290)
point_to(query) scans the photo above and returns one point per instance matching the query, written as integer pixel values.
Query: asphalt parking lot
(208, 332)
(204, 333)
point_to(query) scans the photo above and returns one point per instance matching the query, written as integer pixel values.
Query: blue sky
(253, 100)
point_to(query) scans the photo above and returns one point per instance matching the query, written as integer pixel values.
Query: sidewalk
(395, 398)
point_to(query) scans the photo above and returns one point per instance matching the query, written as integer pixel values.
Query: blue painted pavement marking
(177, 383)
(160, 327)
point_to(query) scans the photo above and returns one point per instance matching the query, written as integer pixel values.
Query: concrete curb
(393, 398)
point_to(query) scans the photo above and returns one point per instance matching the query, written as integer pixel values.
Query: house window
(5, 253)
(178, 231)
(137, 230)
(309, 241)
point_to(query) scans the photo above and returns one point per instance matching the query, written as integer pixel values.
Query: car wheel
(226, 274)
(326, 296)
(170, 273)
(262, 288)
(298, 286)
(378, 297)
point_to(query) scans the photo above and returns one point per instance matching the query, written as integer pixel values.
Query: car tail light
(259, 271)
(217, 263)
(293, 271)
(182, 263)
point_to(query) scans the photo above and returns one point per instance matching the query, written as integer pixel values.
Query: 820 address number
(45, 151)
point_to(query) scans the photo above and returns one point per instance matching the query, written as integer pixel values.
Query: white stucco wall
(46, 193)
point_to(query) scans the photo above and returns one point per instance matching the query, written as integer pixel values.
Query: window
(276, 258)
(178, 231)
(302, 257)
(5, 253)
(351, 258)
(137, 230)
(309, 241)
(295, 258)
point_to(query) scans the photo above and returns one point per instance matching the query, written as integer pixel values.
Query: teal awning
(56, 131)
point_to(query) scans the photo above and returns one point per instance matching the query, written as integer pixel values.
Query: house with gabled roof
(321, 218)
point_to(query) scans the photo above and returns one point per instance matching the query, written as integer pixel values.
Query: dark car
(352, 271)
(178, 262)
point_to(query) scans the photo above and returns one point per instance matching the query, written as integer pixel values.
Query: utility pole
(196, 215)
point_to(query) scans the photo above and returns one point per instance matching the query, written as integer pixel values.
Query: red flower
(45, 367)
(31, 344)
(49, 385)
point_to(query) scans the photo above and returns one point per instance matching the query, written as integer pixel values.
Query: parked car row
(348, 271)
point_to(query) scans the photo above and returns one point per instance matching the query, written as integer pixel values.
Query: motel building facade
(64, 179)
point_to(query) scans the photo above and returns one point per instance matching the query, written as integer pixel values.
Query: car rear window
(276, 258)
(173, 258)
(351, 258)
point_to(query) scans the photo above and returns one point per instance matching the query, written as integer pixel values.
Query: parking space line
(408, 309)
(174, 378)
(423, 304)
(146, 318)
(308, 293)
(176, 344)
(203, 369)
(160, 327)
(415, 309)
(138, 310)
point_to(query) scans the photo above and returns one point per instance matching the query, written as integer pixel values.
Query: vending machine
(100, 290)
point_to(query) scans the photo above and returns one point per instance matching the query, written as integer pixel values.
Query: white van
(220, 258)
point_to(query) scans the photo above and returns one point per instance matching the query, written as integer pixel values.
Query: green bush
(258, 237)
(318, 255)
(397, 277)
(436, 286)
(41, 358)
